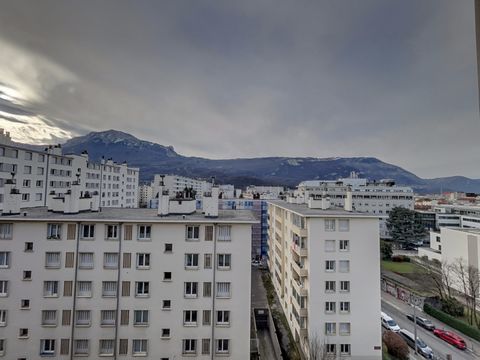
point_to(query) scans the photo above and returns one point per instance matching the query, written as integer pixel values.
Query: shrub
(386, 250)
(396, 346)
(400, 258)
(453, 322)
(452, 307)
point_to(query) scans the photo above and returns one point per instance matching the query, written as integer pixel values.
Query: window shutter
(123, 348)
(124, 316)
(66, 316)
(125, 288)
(71, 231)
(67, 288)
(209, 233)
(64, 346)
(69, 259)
(128, 232)
(127, 260)
(206, 317)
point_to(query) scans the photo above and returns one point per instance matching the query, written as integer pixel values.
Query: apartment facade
(125, 283)
(372, 197)
(177, 183)
(325, 267)
(38, 173)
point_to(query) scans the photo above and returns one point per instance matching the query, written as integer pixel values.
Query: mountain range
(154, 158)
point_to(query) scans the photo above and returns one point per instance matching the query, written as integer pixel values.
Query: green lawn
(401, 267)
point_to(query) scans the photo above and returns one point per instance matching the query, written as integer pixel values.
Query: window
(345, 349)
(39, 183)
(223, 317)
(109, 288)
(330, 328)
(191, 261)
(28, 246)
(38, 196)
(143, 261)
(223, 290)
(343, 225)
(165, 333)
(127, 260)
(3, 318)
(224, 233)
(140, 317)
(71, 232)
(82, 318)
(222, 346)
(190, 318)
(205, 346)
(26, 183)
(167, 276)
(344, 245)
(329, 286)
(23, 333)
(207, 261)
(54, 231)
(4, 259)
(25, 304)
(344, 306)
(330, 265)
(344, 328)
(124, 317)
(189, 346)
(123, 347)
(52, 260)
(67, 288)
(3, 288)
(166, 305)
(193, 233)
(208, 233)
(81, 347)
(330, 307)
(85, 260)
(190, 289)
(40, 170)
(330, 349)
(345, 286)
(84, 289)
(344, 266)
(125, 288)
(106, 346)
(110, 260)
(142, 288)
(206, 317)
(6, 231)
(108, 317)
(25, 197)
(112, 232)
(144, 232)
(2, 347)
(27, 169)
(88, 231)
(49, 318)
(207, 289)
(139, 347)
(28, 155)
(224, 261)
(47, 347)
(329, 224)
(64, 346)
(168, 248)
(50, 288)
(329, 245)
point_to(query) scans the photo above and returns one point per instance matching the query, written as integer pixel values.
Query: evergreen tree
(404, 226)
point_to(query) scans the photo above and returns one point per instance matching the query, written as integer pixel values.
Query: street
(398, 311)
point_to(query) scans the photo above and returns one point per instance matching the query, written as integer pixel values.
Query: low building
(325, 268)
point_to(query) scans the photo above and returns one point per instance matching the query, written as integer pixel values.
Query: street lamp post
(415, 325)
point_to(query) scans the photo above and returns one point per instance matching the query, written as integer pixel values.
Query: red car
(451, 338)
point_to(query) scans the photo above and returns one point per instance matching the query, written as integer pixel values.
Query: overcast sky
(394, 79)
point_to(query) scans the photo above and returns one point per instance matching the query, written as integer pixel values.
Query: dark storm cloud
(386, 78)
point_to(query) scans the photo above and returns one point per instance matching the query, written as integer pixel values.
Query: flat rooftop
(304, 210)
(466, 230)
(137, 215)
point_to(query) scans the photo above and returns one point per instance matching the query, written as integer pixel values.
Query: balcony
(299, 231)
(298, 250)
(300, 288)
(301, 311)
(299, 269)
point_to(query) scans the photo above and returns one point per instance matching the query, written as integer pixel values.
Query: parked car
(422, 348)
(451, 338)
(388, 323)
(425, 323)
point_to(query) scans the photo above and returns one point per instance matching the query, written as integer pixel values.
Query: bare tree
(468, 279)
(317, 350)
(438, 279)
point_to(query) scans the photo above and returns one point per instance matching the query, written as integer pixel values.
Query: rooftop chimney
(163, 198)
(349, 200)
(210, 202)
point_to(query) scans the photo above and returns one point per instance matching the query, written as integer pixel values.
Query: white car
(388, 323)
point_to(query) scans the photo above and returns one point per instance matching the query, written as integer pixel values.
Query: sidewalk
(406, 309)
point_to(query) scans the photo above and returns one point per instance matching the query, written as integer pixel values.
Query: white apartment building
(38, 173)
(177, 183)
(325, 267)
(123, 283)
(371, 197)
(264, 192)
(145, 194)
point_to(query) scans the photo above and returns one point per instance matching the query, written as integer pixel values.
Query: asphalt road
(440, 348)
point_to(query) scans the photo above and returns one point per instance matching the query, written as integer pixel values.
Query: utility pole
(415, 324)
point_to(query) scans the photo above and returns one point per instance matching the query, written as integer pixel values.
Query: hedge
(453, 322)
